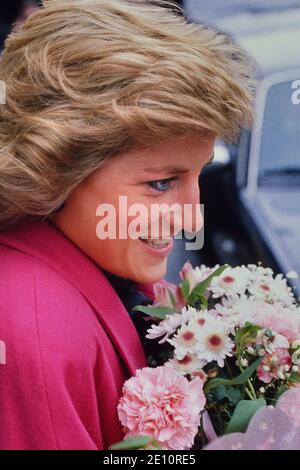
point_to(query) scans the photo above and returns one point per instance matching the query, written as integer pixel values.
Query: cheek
(120, 254)
(133, 216)
(129, 259)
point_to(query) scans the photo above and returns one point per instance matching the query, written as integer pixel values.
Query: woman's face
(163, 174)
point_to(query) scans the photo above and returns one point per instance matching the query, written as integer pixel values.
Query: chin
(150, 275)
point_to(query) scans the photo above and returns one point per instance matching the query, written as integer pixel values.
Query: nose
(188, 216)
(192, 215)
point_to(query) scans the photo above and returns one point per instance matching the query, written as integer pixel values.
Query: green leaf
(283, 388)
(244, 330)
(133, 443)
(247, 333)
(203, 301)
(185, 288)
(199, 302)
(172, 298)
(243, 413)
(231, 394)
(200, 288)
(155, 312)
(192, 299)
(239, 380)
(294, 377)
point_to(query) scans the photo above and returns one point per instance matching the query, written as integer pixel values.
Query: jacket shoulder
(47, 382)
(38, 304)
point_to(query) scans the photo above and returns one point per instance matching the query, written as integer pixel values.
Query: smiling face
(163, 174)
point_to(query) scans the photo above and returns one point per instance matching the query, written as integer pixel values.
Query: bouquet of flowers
(228, 347)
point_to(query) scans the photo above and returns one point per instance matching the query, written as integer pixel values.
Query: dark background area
(12, 11)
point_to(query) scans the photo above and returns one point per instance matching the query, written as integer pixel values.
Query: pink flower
(269, 429)
(194, 276)
(161, 403)
(289, 404)
(273, 365)
(280, 319)
(164, 291)
(186, 271)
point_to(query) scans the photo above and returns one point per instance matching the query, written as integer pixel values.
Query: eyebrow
(174, 168)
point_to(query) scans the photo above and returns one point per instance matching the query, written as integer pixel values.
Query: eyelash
(166, 180)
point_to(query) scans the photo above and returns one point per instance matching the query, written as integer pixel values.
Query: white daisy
(273, 290)
(169, 325)
(200, 273)
(259, 271)
(187, 313)
(184, 342)
(190, 364)
(165, 328)
(237, 310)
(200, 317)
(231, 281)
(213, 341)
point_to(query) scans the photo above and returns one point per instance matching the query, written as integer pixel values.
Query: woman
(103, 100)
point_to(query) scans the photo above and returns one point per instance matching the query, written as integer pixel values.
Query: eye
(161, 185)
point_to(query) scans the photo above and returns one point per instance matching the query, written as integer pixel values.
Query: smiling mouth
(158, 243)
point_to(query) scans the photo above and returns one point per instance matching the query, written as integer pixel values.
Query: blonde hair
(87, 79)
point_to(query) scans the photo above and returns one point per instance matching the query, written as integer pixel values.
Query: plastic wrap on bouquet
(270, 428)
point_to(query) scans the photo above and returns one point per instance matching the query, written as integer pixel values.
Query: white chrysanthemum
(184, 342)
(187, 313)
(231, 281)
(273, 290)
(237, 310)
(198, 275)
(169, 325)
(165, 328)
(200, 317)
(214, 342)
(259, 271)
(190, 364)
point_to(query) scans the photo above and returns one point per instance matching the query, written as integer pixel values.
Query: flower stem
(252, 389)
(228, 368)
(249, 394)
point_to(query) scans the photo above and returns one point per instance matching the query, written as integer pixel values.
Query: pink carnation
(272, 364)
(280, 319)
(161, 403)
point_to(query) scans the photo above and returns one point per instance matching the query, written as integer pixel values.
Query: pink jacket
(70, 344)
